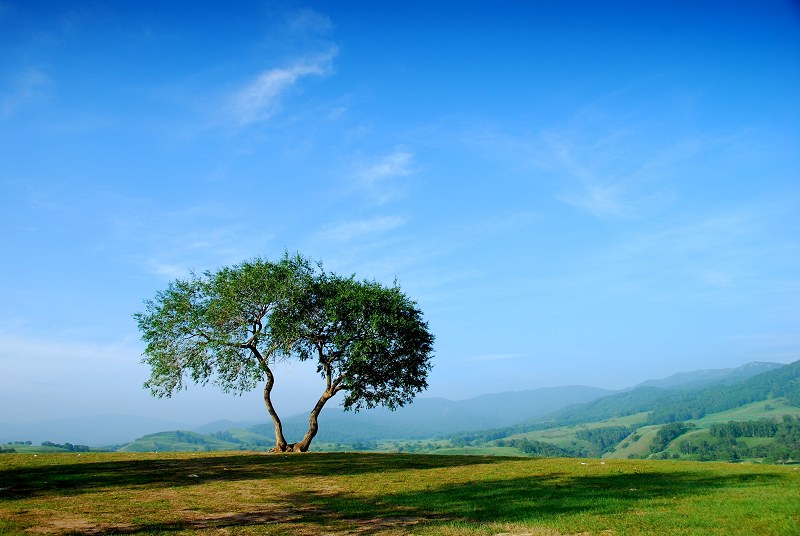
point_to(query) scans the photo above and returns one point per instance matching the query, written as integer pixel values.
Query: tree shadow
(538, 499)
(554, 495)
(77, 478)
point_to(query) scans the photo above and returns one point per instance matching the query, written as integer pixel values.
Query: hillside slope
(429, 417)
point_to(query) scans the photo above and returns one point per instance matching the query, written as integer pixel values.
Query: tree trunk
(313, 423)
(280, 440)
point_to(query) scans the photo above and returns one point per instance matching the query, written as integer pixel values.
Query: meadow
(359, 493)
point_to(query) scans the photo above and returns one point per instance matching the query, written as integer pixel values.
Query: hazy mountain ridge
(431, 417)
(701, 378)
(97, 430)
(619, 418)
(673, 423)
(653, 395)
(428, 417)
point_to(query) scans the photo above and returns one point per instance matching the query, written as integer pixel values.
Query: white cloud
(379, 177)
(361, 228)
(594, 182)
(166, 270)
(598, 200)
(723, 252)
(259, 100)
(308, 20)
(172, 242)
(30, 85)
(397, 164)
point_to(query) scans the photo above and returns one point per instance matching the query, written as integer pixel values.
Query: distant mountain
(177, 441)
(428, 417)
(100, 430)
(701, 378)
(700, 389)
(700, 423)
(668, 405)
(678, 397)
(783, 382)
(222, 425)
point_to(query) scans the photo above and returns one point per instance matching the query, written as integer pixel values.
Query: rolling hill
(680, 423)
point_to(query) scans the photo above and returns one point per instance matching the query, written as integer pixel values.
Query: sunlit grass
(184, 493)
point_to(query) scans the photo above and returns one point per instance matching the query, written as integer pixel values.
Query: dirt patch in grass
(389, 495)
(304, 521)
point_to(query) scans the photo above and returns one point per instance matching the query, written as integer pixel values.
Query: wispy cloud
(358, 229)
(309, 21)
(595, 182)
(260, 99)
(26, 87)
(199, 237)
(717, 252)
(378, 177)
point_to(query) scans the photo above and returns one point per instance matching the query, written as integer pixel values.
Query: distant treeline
(729, 441)
(536, 448)
(695, 404)
(8, 448)
(605, 439)
(66, 446)
(669, 405)
(667, 433)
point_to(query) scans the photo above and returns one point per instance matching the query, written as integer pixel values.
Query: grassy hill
(429, 417)
(178, 441)
(391, 494)
(668, 405)
(629, 424)
(634, 424)
(705, 378)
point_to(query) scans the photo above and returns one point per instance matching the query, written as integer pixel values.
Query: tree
(230, 327)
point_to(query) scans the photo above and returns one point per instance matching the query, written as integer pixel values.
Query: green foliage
(370, 336)
(733, 441)
(206, 493)
(230, 326)
(69, 447)
(179, 441)
(536, 448)
(227, 436)
(222, 326)
(637, 400)
(666, 405)
(696, 403)
(606, 438)
(667, 433)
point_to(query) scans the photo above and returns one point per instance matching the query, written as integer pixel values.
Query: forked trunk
(280, 440)
(313, 423)
(313, 426)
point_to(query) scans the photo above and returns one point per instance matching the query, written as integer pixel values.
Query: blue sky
(590, 193)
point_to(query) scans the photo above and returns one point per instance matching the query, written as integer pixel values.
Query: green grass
(566, 436)
(481, 451)
(177, 441)
(636, 445)
(249, 493)
(763, 409)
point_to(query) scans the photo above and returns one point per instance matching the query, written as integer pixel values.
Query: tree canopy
(231, 326)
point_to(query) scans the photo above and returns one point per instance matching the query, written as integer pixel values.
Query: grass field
(346, 493)
(770, 409)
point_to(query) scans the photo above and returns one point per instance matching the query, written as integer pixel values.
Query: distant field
(764, 409)
(346, 493)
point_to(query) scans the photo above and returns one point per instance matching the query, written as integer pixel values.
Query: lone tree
(230, 327)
